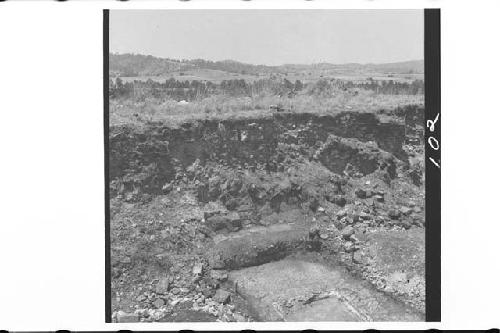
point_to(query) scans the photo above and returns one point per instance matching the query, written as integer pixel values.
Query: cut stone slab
(256, 246)
(298, 290)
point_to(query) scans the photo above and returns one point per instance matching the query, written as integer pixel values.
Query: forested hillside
(128, 65)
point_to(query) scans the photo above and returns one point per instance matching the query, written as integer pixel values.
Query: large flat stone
(256, 246)
(298, 290)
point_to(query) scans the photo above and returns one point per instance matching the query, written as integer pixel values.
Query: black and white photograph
(260, 165)
(267, 165)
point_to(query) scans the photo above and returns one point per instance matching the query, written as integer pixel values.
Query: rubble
(185, 219)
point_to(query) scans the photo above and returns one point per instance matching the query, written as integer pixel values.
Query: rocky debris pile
(149, 161)
(251, 198)
(364, 217)
(333, 210)
(415, 168)
(202, 290)
(218, 307)
(220, 209)
(393, 262)
(355, 158)
(234, 188)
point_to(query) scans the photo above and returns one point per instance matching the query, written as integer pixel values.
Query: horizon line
(286, 64)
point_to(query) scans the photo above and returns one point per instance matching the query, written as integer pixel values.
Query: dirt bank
(148, 158)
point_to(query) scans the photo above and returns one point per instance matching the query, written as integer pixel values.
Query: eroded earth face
(289, 218)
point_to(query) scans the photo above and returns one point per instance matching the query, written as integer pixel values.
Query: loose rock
(159, 303)
(341, 213)
(124, 317)
(198, 268)
(347, 232)
(218, 275)
(163, 285)
(360, 193)
(349, 247)
(394, 214)
(406, 210)
(222, 296)
(239, 318)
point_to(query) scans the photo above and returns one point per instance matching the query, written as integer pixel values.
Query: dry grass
(222, 107)
(213, 75)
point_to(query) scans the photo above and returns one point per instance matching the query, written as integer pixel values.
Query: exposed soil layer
(192, 206)
(150, 158)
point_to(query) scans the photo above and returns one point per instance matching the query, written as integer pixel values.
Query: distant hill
(405, 67)
(142, 65)
(414, 66)
(131, 65)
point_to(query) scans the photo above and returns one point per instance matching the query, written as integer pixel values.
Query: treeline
(192, 90)
(330, 87)
(389, 87)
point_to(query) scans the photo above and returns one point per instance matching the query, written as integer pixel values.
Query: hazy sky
(271, 37)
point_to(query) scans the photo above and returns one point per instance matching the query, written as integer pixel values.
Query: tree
(299, 85)
(119, 87)
(288, 85)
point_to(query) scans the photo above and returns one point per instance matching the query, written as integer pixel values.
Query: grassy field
(217, 76)
(212, 75)
(130, 112)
